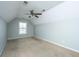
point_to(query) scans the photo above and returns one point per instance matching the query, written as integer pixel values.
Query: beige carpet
(31, 47)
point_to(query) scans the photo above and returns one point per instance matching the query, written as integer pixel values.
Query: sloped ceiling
(38, 6)
(12, 9)
(9, 10)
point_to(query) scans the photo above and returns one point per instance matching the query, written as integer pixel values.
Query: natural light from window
(22, 28)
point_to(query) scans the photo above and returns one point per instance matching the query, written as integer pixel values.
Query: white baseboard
(18, 37)
(57, 44)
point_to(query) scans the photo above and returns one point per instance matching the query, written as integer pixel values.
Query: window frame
(22, 29)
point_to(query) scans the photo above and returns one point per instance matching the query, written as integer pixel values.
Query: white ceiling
(11, 9)
(38, 6)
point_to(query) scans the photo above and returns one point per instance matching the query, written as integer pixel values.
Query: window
(22, 28)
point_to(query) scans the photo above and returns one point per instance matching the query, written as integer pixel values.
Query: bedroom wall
(13, 29)
(3, 35)
(60, 24)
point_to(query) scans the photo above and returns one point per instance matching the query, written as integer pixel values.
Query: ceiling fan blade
(36, 16)
(38, 13)
(32, 12)
(29, 16)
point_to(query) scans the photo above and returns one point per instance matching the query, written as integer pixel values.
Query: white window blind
(22, 28)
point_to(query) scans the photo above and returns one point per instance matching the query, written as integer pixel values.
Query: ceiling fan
(35, 14)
